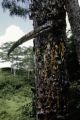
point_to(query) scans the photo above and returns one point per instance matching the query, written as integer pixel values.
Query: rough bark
(73, 11)
(51, 74)
(51, 78)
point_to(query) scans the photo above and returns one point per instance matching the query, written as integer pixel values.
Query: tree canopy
(17, 7)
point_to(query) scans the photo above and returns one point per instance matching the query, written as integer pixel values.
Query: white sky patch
(28, 43)
(68, 24)
(68, 28)
(79, 2)
(13, 33)
(5, 64)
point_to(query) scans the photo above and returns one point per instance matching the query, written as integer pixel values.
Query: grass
(15, 97)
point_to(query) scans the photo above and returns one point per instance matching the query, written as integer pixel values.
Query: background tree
(21, 59)
(15, 57)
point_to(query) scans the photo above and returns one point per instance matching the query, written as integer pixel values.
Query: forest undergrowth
(15, 97)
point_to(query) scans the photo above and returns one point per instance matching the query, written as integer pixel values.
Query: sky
(12, 28)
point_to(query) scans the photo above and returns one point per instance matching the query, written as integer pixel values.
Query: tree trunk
(51, 73)
(73, 10)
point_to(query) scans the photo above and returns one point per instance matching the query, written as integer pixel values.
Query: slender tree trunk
(51, 73)
(73, 10)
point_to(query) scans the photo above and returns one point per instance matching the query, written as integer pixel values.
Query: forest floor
(15, 97)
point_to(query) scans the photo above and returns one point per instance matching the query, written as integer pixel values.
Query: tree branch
(34, 33)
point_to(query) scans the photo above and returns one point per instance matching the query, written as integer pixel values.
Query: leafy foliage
(17, 7)
(4, 51)
(21, 57)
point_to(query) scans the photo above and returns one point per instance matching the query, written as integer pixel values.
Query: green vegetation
(63, 100)
(15, 97)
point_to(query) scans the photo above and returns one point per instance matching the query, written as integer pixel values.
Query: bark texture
(51, 75)
(73, 10)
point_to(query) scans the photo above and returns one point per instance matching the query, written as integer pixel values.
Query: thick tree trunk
(51, 74)
(73, 10)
